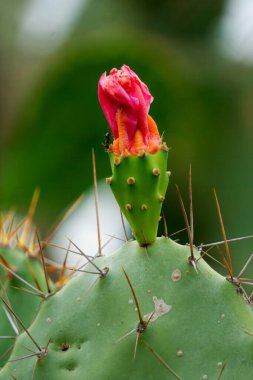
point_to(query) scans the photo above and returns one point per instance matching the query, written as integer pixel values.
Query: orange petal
(125, 153)
(122, 129)
(138, 143)
(153, 130)
(115, 147)
(152, 146)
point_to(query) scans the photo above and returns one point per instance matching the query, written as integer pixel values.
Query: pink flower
(125, 101)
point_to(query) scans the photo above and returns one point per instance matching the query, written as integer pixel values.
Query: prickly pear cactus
(153, 309)
(191, 325)
(139, 185)
(21, 277)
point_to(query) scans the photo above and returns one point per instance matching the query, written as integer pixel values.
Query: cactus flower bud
(125, 101)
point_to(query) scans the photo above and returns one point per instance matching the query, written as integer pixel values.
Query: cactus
(198, 324)
(21, 274)
(139, 185)
(138, 156)
(154, 309)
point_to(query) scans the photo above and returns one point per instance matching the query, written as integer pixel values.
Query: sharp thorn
(63, 269)
(205, 253)
(64, 249)
(87, 257)
(186, 223)
(22, 280)
(125, 336)
(193, 264)
(221, 371)
(162, 361)
(136, 344)
(177, 232)
(135, 297)
(33, 274)
(222, 241)
(246, 265)
(165, 226)
(115, 237)
(43, 263)
(24, 357)
(6, 352)
(28, 222)
(224, 234)
(21, 323)
(11, 320)
(26, 291)
(7, 337)
(191, 204)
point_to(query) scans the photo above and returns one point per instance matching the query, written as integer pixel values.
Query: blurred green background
(201, 76)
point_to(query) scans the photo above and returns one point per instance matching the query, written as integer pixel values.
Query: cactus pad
(139, 184)
(24, 304)
(199, 326)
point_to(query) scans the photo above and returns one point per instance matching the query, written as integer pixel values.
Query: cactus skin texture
(89, 327)
(24, 304)
(139, 185)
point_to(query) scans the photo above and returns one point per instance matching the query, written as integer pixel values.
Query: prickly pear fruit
(139, 185)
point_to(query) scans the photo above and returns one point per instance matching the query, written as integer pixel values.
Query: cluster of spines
(19, 239)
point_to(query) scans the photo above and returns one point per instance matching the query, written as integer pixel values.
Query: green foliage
(185, 19)
(201, 326)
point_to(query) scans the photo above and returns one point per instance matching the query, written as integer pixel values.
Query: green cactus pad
(23, 303)
(202, 328)
(139, 185)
